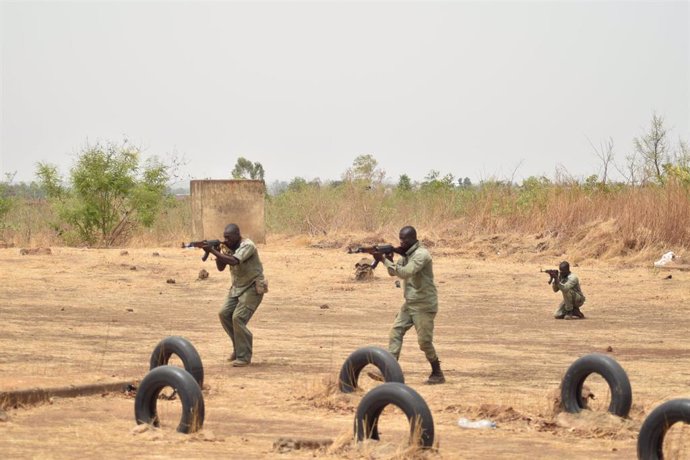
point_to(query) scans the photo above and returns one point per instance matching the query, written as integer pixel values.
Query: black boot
(436, 376)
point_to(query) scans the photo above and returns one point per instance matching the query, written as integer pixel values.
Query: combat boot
(436, 376)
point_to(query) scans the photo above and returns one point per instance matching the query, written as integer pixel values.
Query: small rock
(62, 309)
(131, 310)
(124, 253)
(669, 277)
(171, 281)
(609, 348)
(324, 307)
(133, 267)
(155, 254)
(203, 274)
(4, 417)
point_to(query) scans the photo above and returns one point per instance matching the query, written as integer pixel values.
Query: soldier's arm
(414, 265)
(569, 283)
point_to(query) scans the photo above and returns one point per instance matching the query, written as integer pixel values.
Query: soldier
(573, 298)
(421, 300)
(246, 292)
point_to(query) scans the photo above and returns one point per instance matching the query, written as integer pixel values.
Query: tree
(653, 150)
(110, 193)
(365, 169)
(404, 183)
(245, 169)
(605, 155)
(6, 201)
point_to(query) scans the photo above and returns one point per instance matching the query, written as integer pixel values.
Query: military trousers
(234, 316)
(571, 300)
(423, 322)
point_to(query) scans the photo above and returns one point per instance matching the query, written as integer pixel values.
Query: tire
(189, 391)
(402, 396)
(382, 359)
(607, 367)
(650, 442)
(185, 350)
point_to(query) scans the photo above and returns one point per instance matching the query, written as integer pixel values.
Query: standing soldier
(421, 300)
(246, 292)
(573, 298)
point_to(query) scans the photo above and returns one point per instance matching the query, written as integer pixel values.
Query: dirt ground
(82, 316)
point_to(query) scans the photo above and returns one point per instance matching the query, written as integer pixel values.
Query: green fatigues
(242, 300)
(421, 301)
(572, 294)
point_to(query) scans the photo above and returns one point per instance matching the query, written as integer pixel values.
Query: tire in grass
(382, 359)
(650, 441)
(402, 396)
(176, 345)
(189, 391)
(610, 370)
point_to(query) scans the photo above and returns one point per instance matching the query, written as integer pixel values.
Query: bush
(110, 194)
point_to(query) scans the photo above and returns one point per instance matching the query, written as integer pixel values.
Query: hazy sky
(474, 89)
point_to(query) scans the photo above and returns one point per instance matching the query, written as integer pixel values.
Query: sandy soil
(83, 316)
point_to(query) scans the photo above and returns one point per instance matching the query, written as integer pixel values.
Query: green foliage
(365, 171)
(534, 193)
(110, 194)
(245, 169)
(678, 173)
(6, 200)
(433, 182)
(404, 183)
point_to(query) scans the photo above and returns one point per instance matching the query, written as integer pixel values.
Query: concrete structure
(216, 203)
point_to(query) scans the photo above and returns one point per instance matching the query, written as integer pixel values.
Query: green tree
(110, 193)
(245, 169)
(365, 170)
(404, 183)
(6, 200)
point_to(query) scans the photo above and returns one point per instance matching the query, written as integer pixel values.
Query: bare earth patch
(84, 316)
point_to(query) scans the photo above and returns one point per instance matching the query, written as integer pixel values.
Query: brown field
(65, 321)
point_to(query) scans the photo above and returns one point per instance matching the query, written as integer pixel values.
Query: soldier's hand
(378, 257)
(389, 256)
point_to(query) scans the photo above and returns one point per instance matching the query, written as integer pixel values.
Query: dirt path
(83, 316)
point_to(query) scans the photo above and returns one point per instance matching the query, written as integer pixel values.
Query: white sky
(474, 89)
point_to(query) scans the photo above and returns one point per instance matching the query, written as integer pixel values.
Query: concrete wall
(217, 203)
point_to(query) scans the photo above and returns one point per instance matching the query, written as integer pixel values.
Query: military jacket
(248, 270)
(416, 270)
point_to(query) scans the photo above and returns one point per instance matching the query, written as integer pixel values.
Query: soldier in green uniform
(573, 298)
(421, 300)
(246, 292)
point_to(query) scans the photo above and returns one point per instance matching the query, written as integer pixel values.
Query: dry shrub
(324, 393)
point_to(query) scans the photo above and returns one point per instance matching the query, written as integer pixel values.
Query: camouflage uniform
(421, 301)
(243, 298)
(573, 298)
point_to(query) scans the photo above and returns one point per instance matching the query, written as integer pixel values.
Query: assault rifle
(382, 249)
(553, 274)
(200, 244)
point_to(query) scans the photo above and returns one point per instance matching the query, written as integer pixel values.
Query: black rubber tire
(188, 390)
(382, 359)
(185, 350)
(607, 367)
(650, 442)
(402, 396)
